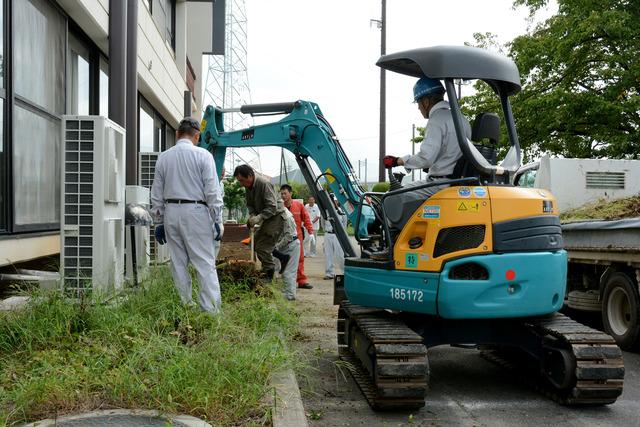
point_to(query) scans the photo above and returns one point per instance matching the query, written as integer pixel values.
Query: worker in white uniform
(186, 199)
(289, 244)
(218, 233)
(332, 248)
(439, 151)
(314, 215)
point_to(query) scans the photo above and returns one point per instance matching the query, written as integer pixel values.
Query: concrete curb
(182, 419)
(288, 410)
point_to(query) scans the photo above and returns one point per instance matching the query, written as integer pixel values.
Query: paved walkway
(465, 389)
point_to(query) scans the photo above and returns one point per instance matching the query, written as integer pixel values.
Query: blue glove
(218, 233)
(160, 236)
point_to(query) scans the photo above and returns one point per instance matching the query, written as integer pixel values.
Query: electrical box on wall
(146, 170)
(92, 219)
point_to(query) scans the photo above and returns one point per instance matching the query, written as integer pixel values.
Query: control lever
(394, 183)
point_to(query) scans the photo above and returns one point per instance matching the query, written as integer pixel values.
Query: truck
(603, 256)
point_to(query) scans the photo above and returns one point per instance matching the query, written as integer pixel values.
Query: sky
(325, 52)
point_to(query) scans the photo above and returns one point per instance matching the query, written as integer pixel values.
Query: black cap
(188, 123)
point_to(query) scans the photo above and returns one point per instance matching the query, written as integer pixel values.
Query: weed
(146, 351)
(315, 415)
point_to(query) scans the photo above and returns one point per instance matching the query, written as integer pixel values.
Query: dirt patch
(243, 275)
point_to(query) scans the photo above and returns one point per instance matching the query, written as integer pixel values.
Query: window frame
(159, 144)
(6, 167)
(17, 100)
(12, 100)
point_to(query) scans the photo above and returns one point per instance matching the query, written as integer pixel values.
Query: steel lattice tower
(227, 82)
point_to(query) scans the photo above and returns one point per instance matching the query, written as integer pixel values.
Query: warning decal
(466, 206)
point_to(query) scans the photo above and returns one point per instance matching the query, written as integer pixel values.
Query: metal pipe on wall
(132, 93)
(187, 103)
(117, 61)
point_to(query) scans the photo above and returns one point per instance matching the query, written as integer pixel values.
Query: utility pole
(382, 26)
(366, 186)
(383, 93)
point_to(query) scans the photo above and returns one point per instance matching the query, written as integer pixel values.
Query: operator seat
(485, 126)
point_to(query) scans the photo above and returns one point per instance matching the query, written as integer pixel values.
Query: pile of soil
(605, 210)
(240, 274)
(230, 251)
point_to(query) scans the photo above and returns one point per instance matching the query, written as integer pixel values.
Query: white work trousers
(189, 232)
(332, 249)
(291, 270)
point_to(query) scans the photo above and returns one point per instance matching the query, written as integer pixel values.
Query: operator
(314, 213)
(219, 233)
(302, 218)
(439, 151)
(186, 200)
(264, 210)
(332, 248)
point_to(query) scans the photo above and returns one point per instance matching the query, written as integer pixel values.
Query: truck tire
(584, 300)
(621, 310)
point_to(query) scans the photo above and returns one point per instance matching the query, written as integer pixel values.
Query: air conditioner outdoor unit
(92, 220)
(136, 243)
(146, 170)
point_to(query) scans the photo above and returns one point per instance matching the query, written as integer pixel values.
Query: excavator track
(598, 368)
(388, 360)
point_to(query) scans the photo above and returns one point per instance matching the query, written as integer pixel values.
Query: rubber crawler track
(599, 368)
(397, 356)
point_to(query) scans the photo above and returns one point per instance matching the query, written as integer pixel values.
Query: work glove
(218, 231)
(161, 238)
(390, 161)
(254, 220)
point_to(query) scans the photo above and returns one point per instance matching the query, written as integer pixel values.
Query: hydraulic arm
(306, 133)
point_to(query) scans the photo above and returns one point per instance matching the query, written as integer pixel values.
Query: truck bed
(603, 241)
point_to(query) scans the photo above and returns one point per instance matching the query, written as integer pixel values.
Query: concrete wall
(199, 16)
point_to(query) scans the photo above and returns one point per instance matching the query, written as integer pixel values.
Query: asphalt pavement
(465, 390)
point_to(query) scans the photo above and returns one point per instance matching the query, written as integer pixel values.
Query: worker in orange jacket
(301, 216)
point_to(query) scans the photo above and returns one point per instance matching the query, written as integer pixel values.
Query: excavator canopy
(456, 62)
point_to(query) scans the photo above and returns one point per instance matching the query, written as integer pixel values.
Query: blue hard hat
(426, 86)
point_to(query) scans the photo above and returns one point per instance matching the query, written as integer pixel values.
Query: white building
(55, 61)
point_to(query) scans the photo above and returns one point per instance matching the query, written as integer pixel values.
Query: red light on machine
(510, 275)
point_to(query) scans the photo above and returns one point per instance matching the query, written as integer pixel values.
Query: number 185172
(406, 294)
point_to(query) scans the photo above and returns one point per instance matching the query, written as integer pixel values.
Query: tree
(581, 80)
(300, 191)
(233, 196)
(380, 187)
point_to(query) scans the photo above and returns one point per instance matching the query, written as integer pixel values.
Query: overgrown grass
(607, 210)
(148, 352)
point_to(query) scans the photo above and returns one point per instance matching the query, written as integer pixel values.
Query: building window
(154, 132)
(39, 45)
(104, 87)
(164, 12)
(36, 166)
(171, 136)
(146, 129)
(3, 173)
(78, 73)
(4, 170)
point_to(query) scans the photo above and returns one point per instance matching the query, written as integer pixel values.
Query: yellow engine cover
(470, 212)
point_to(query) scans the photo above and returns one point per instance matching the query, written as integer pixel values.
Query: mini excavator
(478, 263)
